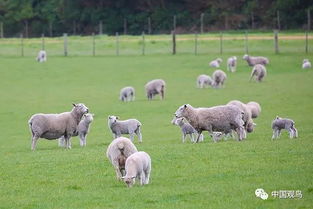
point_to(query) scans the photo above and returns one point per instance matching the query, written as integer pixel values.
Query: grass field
(204, 175)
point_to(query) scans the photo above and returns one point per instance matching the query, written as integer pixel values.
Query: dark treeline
(54, 17)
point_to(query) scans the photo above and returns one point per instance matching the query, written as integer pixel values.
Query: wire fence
(118, 45)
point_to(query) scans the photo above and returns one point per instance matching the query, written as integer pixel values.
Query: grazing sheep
(219, 78)
(127, 94)
(186, 129)
(119, 127)
(215, 63)
(306, 64)
(82, 130)
(247, 118)
(118, 151)
(284, 123)
(138, 165)
(252, 61)
(42, 56)
(54, 126)
(224, 118)
(258, 72)
(231, 64)
(255, 109)
(154, 87)
(204, 81)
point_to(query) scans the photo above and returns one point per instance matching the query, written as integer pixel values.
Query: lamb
(204, 81)
(284, 123)
(117, 153)
(138, 165)
(306, 64)
(224, 118)
(186, 129)
(231, 64)
(154, 87)
(119, 127)
(247, 115)
(255, 109)
(258, 72)
(54, 126)
(127, 94)
(215, 63)
(219, 78)
(252, 61)
(82, 130)
(42, 56)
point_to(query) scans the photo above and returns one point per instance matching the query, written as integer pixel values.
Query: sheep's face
(245, 57)
(250, 127)
(80, 108)
(305, 60)
(88, 117)
(219, 60)
(129, 181)
(112, 119)
(180, 111)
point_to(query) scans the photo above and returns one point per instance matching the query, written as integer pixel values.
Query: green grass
(204, 175)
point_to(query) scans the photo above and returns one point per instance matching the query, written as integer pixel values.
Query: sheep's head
(219, 60)
(305, 60)
(88, 117)
(80, 108)
(250, 126)
(245, 57)
(129, 181)
(180, 111)
(112, 119)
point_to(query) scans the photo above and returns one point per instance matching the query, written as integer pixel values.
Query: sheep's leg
(61, 141)
(199, 132)
(139, 135)
(184, 137)
(147, 174)
(131, 136)
(201, 138)
(118, 173)
(292, 133)
(162, 94)
(68, 144)
(34, 142)
(274, 134)
(192, 137)
(82, 140)
(295, 132)
(142, 178)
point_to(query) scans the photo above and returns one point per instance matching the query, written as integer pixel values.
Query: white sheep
(82, 130)
(215, 63)
(127, 94)
(42, 56)
(54, 126)
(117, 153)
(186, 129)
(284, 123)
(258, 72)
(204, 81)
(119, 127)
(247, 115)
(219, 77)
(224, 118)
(232, 64)
(255, 109)
(138, 165)
(255, 60)
(306, 64)
(154, 87)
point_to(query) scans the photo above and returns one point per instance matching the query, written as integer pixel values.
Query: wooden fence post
(149, 25)
(196, 43)
(276, 41)
(174, 23)
(93, 45)
(201, 23)
(174, 42)
(221, 42)
(117, 44)
(306, 42)
(100, 28)
(43, 41)
(246, 43)
(143, 43)
(22, 45)
(65, 44)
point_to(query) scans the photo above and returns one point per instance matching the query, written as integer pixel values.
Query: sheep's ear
(74, 104)
(117, 117)
(185, 106)
(277, 117)
(109, 117)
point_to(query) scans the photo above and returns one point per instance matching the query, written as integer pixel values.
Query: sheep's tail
(120, 146)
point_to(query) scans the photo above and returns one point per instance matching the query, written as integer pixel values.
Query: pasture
(203, 175)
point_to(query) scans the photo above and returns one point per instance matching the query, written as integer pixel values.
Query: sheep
(127, 94)
(219, 78)
(138, 165)
(186, 129)
(247, 115)
(203, 81)
(255, 109)
(117, 153)
(82, 130)
(252, 61)
(154, 87)
(258, 72)
(284, 123)
(53, 126)
(119, 127)
(306, 64)
(42, 56)
(224, 118)
(231, 64)
(215, 63)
